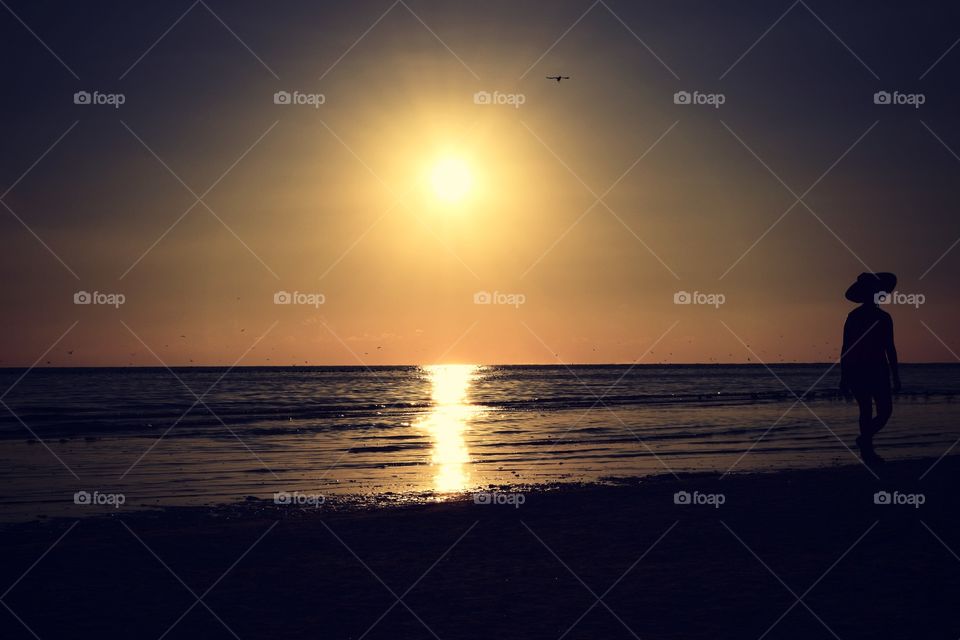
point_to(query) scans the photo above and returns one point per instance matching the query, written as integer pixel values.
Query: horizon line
(388, 366)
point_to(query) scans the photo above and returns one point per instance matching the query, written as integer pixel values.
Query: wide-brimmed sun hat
(870, 284)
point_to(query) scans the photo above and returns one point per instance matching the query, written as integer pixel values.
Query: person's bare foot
(867, 454)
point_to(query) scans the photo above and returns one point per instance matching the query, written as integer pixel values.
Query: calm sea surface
(212, 435)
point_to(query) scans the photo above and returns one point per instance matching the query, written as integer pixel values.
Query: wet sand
(530, 570)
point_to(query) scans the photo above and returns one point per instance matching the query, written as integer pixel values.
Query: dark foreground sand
(529, 572)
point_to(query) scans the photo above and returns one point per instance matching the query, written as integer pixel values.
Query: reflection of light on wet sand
(447, 422)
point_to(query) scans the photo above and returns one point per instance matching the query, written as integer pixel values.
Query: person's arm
(891, 350)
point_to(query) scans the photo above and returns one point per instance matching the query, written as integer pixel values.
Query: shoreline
(336, 503)
(331, 504)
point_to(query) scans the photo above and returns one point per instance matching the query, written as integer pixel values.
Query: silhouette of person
(869, 357)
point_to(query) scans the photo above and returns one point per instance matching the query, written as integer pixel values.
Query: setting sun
(451, 179)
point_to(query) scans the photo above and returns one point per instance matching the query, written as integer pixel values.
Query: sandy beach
(731, 563)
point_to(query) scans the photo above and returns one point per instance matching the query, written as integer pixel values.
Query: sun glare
(447, 422)
(451, 179)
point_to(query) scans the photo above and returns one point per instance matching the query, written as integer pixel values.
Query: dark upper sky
(338, 200)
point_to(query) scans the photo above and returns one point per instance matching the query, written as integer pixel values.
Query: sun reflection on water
(447, 422)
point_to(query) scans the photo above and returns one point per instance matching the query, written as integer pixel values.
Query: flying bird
(558, 78)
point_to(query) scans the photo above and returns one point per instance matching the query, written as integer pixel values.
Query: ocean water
(214, 435)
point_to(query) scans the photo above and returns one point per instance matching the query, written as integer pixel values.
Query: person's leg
(867, 427)
(865, 403)
(884, 410)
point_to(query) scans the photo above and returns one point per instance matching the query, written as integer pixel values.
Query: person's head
(872, 288)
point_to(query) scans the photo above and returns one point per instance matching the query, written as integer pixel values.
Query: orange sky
(593, 203)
